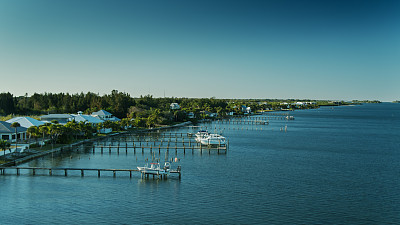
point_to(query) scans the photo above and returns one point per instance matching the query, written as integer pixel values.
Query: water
(333, 166)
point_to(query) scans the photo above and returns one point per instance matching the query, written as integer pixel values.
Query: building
(8, 133)
(106, 116)
(61, 118)
(86, 118)
(174, 106)
(245, 109)
(26, 121)
(191, 115)
(209, 114)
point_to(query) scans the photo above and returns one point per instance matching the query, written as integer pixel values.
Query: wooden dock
(151, 148)
(82, 170)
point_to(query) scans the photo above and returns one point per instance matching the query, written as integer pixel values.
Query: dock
(151, 148)
(83, 170)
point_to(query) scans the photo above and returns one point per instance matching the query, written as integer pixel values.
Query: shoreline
(68, 147)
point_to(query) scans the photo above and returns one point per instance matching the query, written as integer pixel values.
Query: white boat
(213, 139)
(155, 168)
(201, 134)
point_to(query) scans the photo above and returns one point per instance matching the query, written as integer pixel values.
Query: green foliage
(4, 145)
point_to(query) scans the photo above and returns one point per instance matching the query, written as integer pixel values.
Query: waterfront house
(8, 133)
(191, 115)
(104, 115)
(26, 121)
(94, 121)
(61, 118)
(174, 106)
(209, 114)
(245, 109)
(86, 118)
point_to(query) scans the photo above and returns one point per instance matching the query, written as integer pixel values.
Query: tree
(33, 131)
(16, 125)
(4, 145)
(74, 128)
(44, 129)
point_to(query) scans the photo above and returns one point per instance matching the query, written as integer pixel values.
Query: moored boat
(201, 134)
(155, 168)
(213, 139)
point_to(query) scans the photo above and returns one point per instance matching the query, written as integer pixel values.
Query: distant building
(26, 121)
(209, 114)
(8, 133)
(245, 109)
(191, 115)
(174, 106)
(104, 115)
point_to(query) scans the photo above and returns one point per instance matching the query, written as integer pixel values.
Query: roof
(26, 121)
(87, 118)
(56, 116)
(6, 128)
(102, 113)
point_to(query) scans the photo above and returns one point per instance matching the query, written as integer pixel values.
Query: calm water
(333, 166)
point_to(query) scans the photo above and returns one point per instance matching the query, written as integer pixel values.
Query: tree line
(145, 110)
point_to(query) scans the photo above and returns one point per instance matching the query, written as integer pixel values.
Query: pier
(151, 148)
(83, 170)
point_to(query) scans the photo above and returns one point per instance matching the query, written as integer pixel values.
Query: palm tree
(16, 125)
(4, 145)
(32, 131)
(44, 129)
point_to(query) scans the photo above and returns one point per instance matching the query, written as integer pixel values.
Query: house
(191, 115)
(8, 133)
(245, 109)
(94, 120)
(86, 118)
(26, 121)
(209, 114)
(174, 106)
(61, 118)
(104, 115)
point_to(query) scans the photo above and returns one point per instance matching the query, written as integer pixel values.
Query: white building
(104, 115)
(26, 121)
(174, 106)
(8, 133)
(61, 118)
(86, 118)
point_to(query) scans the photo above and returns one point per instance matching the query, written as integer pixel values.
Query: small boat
(213, 139)
(201, 134)
(155, 168)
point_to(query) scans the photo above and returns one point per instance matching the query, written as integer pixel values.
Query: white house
(104, 115)
(191, 115)
(86, 118)
(26, 121)
(61, 118)
(174, 106)
(245, 109)
(8, 133)
(94, 120)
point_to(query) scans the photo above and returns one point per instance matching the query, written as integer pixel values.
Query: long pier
(152, 148)
(243, 122)
(82, 170)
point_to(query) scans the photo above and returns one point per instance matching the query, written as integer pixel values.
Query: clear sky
(316, 49)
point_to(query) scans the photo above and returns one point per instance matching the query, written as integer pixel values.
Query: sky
(301, 49)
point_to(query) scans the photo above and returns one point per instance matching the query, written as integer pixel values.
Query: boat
(155, 168)
(290, 117)
(213, 139)
(201, 134)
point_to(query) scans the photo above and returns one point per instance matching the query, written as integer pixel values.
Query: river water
(332, 166)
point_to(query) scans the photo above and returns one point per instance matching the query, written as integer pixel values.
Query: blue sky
(221, 48)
